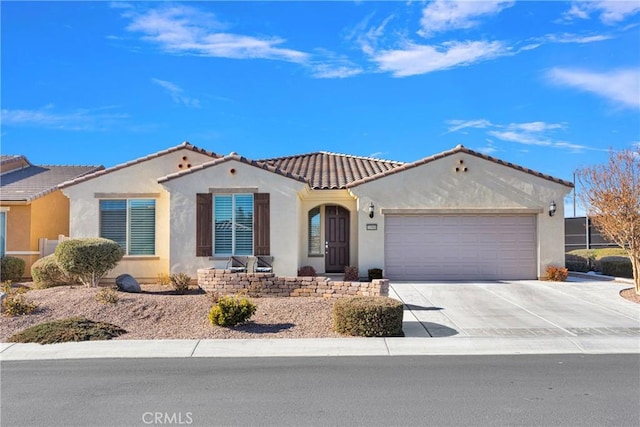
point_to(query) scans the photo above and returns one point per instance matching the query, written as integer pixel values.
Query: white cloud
(176, 93)
(185, 30)
(445, 15)
(333, 71)
(536, 133)
(457, 125)
(416, 59)
(535, 126)
(620, 86)
(520, 137)
(84, 119)
(576, 38)
(610, 12)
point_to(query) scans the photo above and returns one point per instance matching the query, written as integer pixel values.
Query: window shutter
(204, 217)
(261, 228)
(113, 221)
(142, 228)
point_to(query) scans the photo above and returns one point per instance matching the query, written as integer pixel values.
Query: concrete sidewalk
(524, 317)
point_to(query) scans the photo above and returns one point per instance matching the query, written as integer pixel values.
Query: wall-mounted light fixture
(371, 209)
(552, 208)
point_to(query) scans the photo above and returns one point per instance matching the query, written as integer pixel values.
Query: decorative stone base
(226, 282)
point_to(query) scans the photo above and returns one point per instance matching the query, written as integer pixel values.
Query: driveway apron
(516, 309)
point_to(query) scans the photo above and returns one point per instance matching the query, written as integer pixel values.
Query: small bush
(307, 271)
(11, 268)
(180, 283)
(231, 310)
(351, 274)
(577, 263)
(556, 274)
(368, 316)
(616, 266)
(90, 259)
(375, 273)
(164, 279)
(46, 272)
(107, 296)
(66, 330)
(15, 304)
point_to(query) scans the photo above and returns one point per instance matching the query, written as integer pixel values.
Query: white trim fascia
(463, 211)
(22, 253)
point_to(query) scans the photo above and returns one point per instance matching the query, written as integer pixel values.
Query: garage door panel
(460, 247)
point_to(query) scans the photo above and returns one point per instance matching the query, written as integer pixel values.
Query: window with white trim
(315, 244)
(3, 233)
(131, 223)
(233, 224)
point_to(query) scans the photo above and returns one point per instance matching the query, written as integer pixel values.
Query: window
(315, 244)
(233, 219)
(131, 223)
(3, 232)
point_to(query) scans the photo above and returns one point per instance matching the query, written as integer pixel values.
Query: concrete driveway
(517, 309)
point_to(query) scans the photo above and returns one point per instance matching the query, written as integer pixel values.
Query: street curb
(322, 347)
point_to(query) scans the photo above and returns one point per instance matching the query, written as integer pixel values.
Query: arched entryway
(336, 238)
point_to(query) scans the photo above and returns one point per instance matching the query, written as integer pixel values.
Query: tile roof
(185, 144)
(460, 149)
(327, 171)
(8, 158)
(232, 156)
(34, 181)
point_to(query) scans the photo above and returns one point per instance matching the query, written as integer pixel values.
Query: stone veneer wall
(269, 285)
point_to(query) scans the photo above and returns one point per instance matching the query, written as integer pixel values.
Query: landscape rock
(126, 283)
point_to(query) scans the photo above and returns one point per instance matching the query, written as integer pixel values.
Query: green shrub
(90, 259)
(15, 304)
(11, 268)
(307, 271)
(368, 316)
(180, 283)
(231, 310)
(576, 263)
(66, 330)
(375, 273)
(46, 272)
(351, 274)
(616, 266)
(556, 274)
(107, 296)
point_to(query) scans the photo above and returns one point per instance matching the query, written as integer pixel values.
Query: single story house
(457, 215)
(32, 208)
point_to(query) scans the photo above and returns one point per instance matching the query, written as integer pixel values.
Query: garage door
(460, 247)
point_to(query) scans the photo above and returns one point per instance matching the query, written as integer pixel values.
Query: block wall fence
(226, 282)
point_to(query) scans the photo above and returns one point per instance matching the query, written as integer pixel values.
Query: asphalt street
(558, 390)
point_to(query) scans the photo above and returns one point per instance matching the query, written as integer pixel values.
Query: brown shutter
(261, 229)
(204, 218)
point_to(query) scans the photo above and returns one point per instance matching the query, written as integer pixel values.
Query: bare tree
(612, 199)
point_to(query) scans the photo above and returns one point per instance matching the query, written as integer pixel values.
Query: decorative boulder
(126, 283)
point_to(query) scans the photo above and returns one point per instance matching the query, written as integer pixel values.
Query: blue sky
(548, 85)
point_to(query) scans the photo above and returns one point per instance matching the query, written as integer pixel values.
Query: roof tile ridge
(375, 159)
(292, 156)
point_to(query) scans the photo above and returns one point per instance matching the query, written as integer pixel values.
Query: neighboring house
(31, 206)
(458, 215)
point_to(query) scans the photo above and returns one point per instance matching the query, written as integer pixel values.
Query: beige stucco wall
(284, 208)
(137, 179)
(485, 185)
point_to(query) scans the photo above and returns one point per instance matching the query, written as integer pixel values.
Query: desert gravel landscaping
(157, 313)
